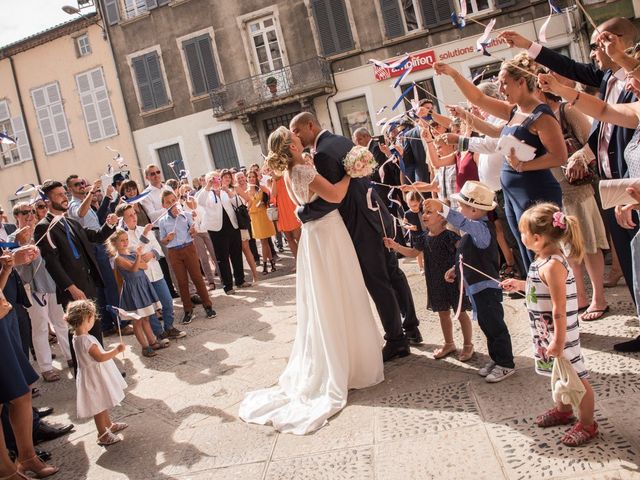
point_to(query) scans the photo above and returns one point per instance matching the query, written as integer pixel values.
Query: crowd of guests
(131, 249)
(115, 257)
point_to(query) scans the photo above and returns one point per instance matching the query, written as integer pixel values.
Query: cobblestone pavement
(428, 419)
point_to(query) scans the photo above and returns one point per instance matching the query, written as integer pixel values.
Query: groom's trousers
(377, 277)
(403, 292)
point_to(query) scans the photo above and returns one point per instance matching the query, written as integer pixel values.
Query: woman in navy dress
(16, 376)
(529, 120)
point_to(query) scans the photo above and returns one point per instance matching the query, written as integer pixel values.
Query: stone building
(60, 96)
(206, 81)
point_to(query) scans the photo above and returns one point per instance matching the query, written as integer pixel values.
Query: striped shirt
(540, 309)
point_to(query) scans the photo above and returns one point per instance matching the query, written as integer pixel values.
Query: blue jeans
(162, 290)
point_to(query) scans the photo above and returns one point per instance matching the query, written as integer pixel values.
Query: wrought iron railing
(265, 89)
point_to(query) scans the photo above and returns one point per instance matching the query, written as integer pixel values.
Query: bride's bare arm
(329, 192)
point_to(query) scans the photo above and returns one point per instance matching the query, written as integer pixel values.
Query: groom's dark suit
(385, 282)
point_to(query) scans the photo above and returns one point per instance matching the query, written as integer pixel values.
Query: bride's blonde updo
(279, 156)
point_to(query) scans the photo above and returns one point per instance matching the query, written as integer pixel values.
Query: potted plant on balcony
(272, 84)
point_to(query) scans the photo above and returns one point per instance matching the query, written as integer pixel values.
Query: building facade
(60, 96)
(206, 81)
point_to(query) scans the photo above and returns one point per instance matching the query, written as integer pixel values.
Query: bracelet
(571, 104)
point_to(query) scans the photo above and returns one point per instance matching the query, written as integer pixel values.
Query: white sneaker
(499, 373)
(486, 370)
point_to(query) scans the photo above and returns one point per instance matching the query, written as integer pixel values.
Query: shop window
(354, 113)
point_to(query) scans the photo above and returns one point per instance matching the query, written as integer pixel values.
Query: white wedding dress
(337, 345)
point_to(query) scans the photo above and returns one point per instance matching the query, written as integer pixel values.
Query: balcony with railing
(250, 95)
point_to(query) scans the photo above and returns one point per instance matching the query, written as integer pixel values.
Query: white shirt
(3, 233)
(315, 141)
(154, 272)
(152, 203)
(213, 205)
(489, 162)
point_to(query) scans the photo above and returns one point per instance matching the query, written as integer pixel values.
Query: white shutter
(96, 107)
(53, 123)
(4, 111)
(20, 133)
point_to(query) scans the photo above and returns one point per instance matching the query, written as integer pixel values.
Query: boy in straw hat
(478, 249)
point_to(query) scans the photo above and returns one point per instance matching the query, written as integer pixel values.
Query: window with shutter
(134, 8)
(150, 81)
(392, 18)
(263, 35)
(332, 22)
(51, 118)
(478, 6)
(436, 12)
(4, 110)
(20, 134)
(170, 154)
(202, 67)
(8, 153)
(223, 150)
(96, 106)
(113, 14)
(505, 3)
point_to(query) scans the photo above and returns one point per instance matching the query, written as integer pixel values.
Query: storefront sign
(419, 61)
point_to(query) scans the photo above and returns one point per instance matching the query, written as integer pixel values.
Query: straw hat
(476, 195)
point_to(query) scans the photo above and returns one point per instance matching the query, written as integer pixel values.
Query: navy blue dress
(16, 373)
(413, 219)
(523, 189)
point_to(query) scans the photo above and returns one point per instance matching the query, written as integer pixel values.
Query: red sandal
(580, 434)
(554, 417)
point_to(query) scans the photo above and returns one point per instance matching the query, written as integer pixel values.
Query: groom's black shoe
(414, 336)
(391, 351)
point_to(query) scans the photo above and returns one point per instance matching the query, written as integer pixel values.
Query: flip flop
(600, 314)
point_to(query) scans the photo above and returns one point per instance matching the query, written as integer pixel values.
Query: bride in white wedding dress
(337, 344)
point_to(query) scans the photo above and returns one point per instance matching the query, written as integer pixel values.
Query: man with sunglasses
(606, 140)
(79, 209)
(41, 290)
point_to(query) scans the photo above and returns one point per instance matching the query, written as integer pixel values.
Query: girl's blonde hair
(279, 156)
(547, 220)
(517, 64)
(78, 311)
(110, 244)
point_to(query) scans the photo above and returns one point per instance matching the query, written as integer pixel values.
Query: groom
(385, 282)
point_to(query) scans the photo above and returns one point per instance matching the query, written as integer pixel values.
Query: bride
(337, 344)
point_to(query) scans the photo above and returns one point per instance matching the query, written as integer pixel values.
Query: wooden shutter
(144, 86)
(4, 110)
(504, 3)
(392, 18)
(151, 4)
(96, 106)
(198, 82)
(20, 134)
(223, 150)
(436, 12)
(113, 14)
(156, 79)
(51, 118)
(167, 155)
(333, 26)
(208, 62)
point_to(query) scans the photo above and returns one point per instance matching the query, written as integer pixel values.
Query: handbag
(573, 145)
(242, 216)
(272, 213)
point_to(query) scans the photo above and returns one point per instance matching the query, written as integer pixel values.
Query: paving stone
(350, 463)
(252, 471)
(426, 411)
(530, 452)
(439, 456)
(233, 443)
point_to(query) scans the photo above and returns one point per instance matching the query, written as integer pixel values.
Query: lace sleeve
(301, 177)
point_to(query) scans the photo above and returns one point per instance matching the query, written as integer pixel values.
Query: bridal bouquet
(359, 162)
